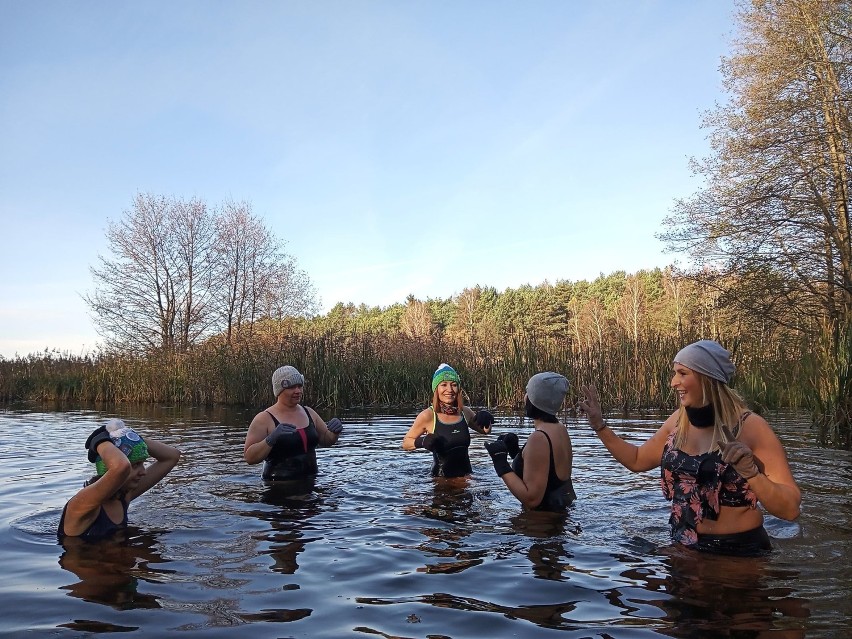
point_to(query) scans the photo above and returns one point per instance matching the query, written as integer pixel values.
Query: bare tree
(179, 273)
(151, 293)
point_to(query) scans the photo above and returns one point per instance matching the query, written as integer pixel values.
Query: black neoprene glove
(429, 441)
(498, 451)
(484, 419)
(512, 445)
(98, 436)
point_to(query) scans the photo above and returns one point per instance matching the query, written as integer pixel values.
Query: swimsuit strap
(743, 417)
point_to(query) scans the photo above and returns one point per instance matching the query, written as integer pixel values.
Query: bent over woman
(119, 454)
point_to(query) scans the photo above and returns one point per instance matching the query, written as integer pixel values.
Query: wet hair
(536, 413)
(727, 405)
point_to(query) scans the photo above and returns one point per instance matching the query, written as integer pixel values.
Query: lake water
(377, 548)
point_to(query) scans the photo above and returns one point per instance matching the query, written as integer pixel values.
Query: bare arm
(529, 490)
(634, 458)
(326, 437)
(166, 458)
(420, 427)
(774, 485)
(83, 508)
(256, 449)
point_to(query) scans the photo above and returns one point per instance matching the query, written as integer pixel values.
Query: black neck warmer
(701, 417)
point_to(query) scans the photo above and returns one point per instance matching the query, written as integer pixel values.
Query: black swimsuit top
(453, 460)
(102, 527)
(559, 493)
(294, 454)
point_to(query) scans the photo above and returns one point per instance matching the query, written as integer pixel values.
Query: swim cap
(445, 373)
(127, 440)
(708, 358)
(285, 377)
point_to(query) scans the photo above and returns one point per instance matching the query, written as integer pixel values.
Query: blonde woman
(718, 459)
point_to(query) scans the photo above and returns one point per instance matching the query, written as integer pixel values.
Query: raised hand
(484, 419)
(280, 431)
(512, 445)
(739, 455)
(591, 405)
(98, 436)
(335, 425)
(498, 451)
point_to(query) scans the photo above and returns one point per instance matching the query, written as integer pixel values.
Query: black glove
(511, 441)
(335, 425)
(498, 451)
(280, 430)
(484, 419)
(98, 436)
(435, 443)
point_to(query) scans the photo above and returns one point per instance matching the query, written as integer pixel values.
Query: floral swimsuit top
(698, 485)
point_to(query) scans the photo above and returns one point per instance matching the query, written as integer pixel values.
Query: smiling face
(448, 392)
(687, 384)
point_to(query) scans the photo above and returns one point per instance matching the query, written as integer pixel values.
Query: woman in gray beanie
(717, 458)
(540, 473)
(285, 436)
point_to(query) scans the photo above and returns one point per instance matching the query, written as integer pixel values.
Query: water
(376, 548)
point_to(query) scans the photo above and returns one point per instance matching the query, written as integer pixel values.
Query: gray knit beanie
(546, 391)
(708, 358)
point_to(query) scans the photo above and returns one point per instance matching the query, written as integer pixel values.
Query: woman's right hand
(591, 405)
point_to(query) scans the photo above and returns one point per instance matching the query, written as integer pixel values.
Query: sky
(397, 147)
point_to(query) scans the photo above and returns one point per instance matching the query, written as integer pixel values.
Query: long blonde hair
(728, 408)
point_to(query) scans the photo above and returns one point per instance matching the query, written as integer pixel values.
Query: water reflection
(739, 593)
(548, 555)
(450, 513)
(110, 570)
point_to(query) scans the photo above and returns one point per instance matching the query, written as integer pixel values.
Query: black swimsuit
(102, 527)
(294, 454)
(559, 493)
(453, 460)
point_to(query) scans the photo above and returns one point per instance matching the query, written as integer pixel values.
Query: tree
(773, 216)
(153, 292)
(178, 273)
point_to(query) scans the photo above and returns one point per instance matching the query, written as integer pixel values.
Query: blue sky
(397, 147)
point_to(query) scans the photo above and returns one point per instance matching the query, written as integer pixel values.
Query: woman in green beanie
(443, 428)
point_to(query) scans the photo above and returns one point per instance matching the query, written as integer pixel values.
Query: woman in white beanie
(443, 428)
(717, 458)
(540, 473)
(285, 436)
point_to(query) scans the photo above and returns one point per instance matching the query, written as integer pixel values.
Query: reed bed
(346, 369)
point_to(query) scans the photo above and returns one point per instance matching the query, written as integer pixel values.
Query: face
(137, 472)
(292, 395)
(448, 392)
(687, 385)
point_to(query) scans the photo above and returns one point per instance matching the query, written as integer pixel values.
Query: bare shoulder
(755, 428)
(669, 426)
